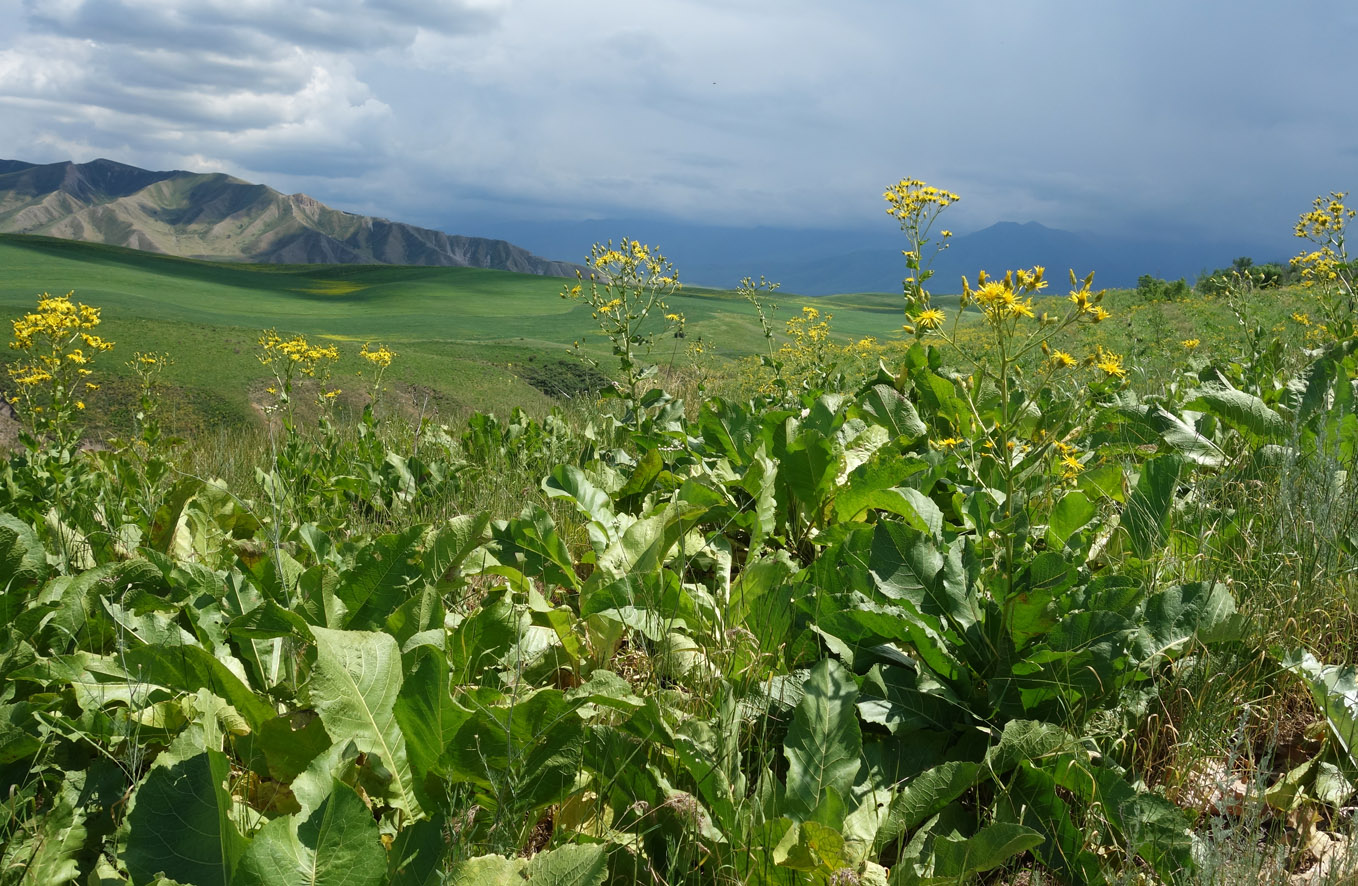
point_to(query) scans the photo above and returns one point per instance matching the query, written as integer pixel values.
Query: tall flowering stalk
(291, 359)
(626, 293)
(1326, 267)
(916, 206)
(379, 359)
(49, 382)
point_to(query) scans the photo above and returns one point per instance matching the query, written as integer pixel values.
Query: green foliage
(904, 631)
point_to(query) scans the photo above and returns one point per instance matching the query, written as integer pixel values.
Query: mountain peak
(217, 216)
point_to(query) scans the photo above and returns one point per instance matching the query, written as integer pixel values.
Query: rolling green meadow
(461, 332)
(1029, 583)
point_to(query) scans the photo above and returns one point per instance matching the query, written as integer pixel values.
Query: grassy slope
(458, 330)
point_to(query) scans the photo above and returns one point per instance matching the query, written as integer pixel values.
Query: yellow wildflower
(380, 357)
(1190, 343)
(1062, 360)
(1110, 364)
(930, 318)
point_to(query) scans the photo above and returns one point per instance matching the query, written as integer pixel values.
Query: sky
(1153, 118)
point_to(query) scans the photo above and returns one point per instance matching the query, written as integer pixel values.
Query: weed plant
(999, 602)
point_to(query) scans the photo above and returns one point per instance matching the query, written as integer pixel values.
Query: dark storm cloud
(1210, 116)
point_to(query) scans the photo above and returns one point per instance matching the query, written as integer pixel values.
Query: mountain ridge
(218, 217)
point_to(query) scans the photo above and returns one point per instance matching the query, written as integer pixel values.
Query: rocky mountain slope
(218, 217)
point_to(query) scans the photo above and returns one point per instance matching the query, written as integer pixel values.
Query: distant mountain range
(828, 261)
(215, 216)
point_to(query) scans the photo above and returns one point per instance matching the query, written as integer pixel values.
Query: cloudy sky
(1207, 118)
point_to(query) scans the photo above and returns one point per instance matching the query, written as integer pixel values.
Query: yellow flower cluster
(1086, 300)
(58, 319)
(381, 356)
(631, 262)
(60, 348)
(911, 198)
(1328, 217)
(808, 330)
(1109, 363)
(1004, 299)
(1324, 226)
(297, 352)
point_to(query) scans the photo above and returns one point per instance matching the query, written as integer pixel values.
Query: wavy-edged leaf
(886, 406)
(907, 564)
(354, 689)
(987, 849)
(1335, 689)
(337, 845)
(1179, 613)
(1146, 514)
(381, 578)
(181, 824)
(1243, 411)
(569, 865)
(823, 743)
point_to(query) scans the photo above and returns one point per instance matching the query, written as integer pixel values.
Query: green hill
(470, 337)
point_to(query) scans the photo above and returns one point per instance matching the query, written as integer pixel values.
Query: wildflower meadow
(1052, 585)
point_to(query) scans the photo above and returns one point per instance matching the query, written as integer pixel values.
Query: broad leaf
(354, 689)
(181, 824)
(1243, 411)
(1146, 514)
(823, 742)
(337, 845)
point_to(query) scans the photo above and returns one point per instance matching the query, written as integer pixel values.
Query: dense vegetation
(1002, 599)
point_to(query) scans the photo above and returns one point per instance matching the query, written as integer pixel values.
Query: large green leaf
(488, 870)
(425, 713)
(808, 468)
(1071, 514)
(337, 845)
(22, 561)
(570, 483)
(52, 855)
(1182, 437)
(1146, 515)
(188, 669)
(907, 564)
(1335, 689)
(926, 795)
(1029, 798)
(992, 846)
(569, 865)
(1243, 411)
(900, 699)
(886, 406)
(823, 742)
(381, 579)
(451, 544)
(523, 752)
(1153, 827)
(181, 824)
(354, 688)
(417, 855)
(1179, 613)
